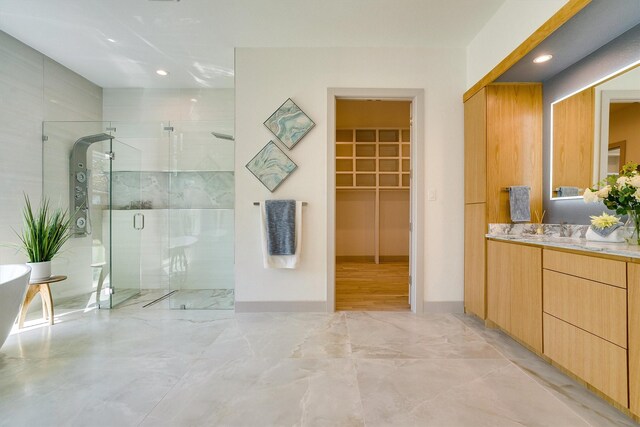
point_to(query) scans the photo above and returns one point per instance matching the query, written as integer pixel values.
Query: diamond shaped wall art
(271, 166)
(289, 124)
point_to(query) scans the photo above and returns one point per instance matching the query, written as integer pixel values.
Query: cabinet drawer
(598, 362)
(595, 307)
(602, 270)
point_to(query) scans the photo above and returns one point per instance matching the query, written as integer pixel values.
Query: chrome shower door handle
(136, 222)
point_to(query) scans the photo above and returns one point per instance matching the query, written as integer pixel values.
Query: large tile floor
(159, 367)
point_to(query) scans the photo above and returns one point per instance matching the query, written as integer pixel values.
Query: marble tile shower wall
(188, 215)
(33, 89)
(173, 190)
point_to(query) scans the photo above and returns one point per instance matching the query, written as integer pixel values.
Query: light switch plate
(431, 195)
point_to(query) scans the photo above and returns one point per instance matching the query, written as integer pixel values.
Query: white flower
(604, 221)
(603, 193)
(635, 181)
(622, 181)
(637, 194)
(590, 196)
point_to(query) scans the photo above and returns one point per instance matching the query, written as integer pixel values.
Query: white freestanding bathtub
(14, 279)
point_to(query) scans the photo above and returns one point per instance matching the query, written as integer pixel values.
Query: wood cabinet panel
(395, 216)
(598, 362)
(474, 258)
(603, 270)
(526, 296)
(514, 290)
(595, 307)
(499, 284)
(514, 146)
(475, 148)
(634, 337)
(355, 223)
(573, 130)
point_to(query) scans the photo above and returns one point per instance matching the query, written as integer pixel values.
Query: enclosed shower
(154, 211)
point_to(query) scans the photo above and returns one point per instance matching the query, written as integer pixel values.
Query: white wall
(512, 24)
(265, 78)
(34, 88)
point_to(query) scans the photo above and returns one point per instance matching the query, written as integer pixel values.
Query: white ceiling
(194, 39)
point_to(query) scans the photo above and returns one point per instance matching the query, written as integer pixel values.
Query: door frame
(416, 250)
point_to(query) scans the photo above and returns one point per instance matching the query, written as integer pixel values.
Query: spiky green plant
(44, 232)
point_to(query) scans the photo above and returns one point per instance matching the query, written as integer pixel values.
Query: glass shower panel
(201, 216)
(126, 220)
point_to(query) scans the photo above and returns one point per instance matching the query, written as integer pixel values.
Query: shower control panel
(80, 202)
(79, 178)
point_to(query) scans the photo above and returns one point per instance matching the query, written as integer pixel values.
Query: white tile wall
(33, 89)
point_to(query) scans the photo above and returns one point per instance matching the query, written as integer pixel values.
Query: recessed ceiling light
(111, 40)
(194, 100)
(162, 72)
(542, 58)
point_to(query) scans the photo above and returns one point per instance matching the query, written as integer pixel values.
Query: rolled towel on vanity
(519, 203)
(564, 191)
(281, 232)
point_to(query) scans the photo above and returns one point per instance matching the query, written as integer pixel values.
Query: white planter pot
(40, 270)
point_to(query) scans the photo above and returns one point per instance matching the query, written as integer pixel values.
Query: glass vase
(632, 236)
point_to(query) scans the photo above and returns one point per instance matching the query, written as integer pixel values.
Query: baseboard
(364, 258)
(355, 258)
(432, 307)
(394, 258)
(282, 306)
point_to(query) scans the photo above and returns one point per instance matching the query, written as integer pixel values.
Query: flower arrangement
(620, 193)
(604, 221)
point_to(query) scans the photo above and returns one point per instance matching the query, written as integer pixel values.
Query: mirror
(594, 132)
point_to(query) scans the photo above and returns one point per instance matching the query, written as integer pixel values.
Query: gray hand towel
(519, 203)
(568, 191)
(281, 226)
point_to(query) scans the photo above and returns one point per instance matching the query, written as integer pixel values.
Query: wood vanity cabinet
(514, 291)
(633, 292)
(585, 319)
(503, 147)
(581, 311)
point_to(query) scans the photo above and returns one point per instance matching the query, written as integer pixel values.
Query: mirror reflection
(594, 133)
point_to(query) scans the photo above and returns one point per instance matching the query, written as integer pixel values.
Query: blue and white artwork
(289, 124)
(271, 166)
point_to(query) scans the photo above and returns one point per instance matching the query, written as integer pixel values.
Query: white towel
(280, 261)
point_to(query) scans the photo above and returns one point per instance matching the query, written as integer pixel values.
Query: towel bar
(555, 190)
(258, 203)
(505, 189)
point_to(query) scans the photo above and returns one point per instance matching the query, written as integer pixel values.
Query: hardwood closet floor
(366, 286)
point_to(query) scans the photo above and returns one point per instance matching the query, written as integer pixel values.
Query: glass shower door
(126, 222)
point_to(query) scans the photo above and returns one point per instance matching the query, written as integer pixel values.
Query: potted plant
(43, 235)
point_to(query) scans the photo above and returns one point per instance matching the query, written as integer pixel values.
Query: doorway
(373, 204)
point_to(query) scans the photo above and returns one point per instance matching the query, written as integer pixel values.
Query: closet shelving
(373, 158)
(372, 186)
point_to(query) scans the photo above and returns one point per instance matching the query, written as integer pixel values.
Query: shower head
(79, 150)
(94, 138)
(223, 136)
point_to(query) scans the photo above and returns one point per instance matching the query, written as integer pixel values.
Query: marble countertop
(560, 236)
